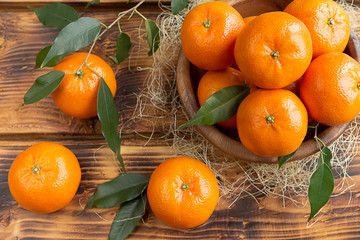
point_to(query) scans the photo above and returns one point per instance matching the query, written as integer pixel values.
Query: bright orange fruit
(183, 192)
(273, 50)
(213, 81)
(330, 88)
(248, 19)
(208, 35)
(45, 177)
(77, 93)
(272, 123)
(327, 22)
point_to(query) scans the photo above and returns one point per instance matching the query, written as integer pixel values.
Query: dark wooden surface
(21, 37)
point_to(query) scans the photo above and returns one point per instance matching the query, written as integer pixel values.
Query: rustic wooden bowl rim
(233, 147)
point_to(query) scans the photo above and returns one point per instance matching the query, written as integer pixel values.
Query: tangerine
(208, 35)
(272, 123)
(213, 81)
(248, 19)
(77, 92)
(183, 192)
(44, 177)
(273, 50)
(327, 22)
(330, 88)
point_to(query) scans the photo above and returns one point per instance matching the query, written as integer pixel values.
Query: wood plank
(17, 57)
(244, 220)
(67, 1)
(22, 36)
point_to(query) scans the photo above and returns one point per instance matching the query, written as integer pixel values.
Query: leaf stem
(92, 69)
(70, 73)
(121, 14)
(104, 25)
(143, 17)
(118, 23)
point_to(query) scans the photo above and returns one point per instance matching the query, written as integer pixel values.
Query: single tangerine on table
(213, 81)
(272, 123)
(183, 192)
(77, 93)
(208, 35)
(44, 177)
(327, 22)
(273, 50)
(330, 88)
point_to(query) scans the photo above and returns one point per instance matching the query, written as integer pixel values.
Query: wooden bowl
(188, 76)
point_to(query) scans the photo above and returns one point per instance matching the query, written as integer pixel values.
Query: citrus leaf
(92, 3)
(153, 37)
(178, 5)
(283, 159)
(127, 217)
(123, 46)
(43, 86)
(220, 106)
(124, 187)
(325, 156)
(41, 56)
(109, 118)
(120, 159)
(56, 15)
(320, 188)
(73, 37)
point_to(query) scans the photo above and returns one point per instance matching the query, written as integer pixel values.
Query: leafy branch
(128, 190)
(322, 180)
(220, 106)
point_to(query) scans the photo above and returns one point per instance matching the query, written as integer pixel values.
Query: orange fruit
(208, 35)
(44, 177)
(183, 192)
(294, 87)
(272, 123)
(77, 93)
(213, 81)
(248, 19)
(330, 88)
(327, 22)
(273, 50)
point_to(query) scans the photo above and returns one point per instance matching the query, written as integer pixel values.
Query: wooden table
(21, 37)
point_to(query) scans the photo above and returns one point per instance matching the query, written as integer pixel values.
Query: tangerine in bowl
(188, 77)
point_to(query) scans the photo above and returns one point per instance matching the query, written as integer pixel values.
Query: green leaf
(124, 187)
(283, 159)
(320, 189)
(73, 37)
(220, 106)
(153, 36)
(127, 217)
(43, 86)
(56, 15)
(92, 3)
(123, 46)
(109, 118)
(178, 5)
(325, 156)
(41, 56)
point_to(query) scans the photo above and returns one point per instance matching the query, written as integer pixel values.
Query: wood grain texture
(67, 1)
(245, 220)
(21, 37)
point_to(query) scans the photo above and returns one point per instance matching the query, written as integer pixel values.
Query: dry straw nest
(237, 179)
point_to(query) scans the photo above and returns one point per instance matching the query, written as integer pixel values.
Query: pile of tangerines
(276, 53)
(292, 59)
